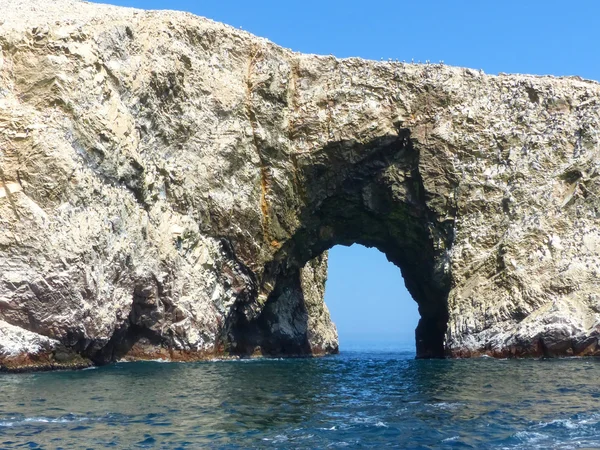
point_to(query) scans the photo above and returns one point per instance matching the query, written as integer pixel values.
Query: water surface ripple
(354, 400)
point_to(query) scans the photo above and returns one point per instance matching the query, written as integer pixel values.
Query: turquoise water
(353, 400)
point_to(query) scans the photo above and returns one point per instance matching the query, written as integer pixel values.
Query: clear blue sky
(365, 293)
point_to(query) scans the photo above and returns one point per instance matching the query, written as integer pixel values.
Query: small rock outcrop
(169, 187)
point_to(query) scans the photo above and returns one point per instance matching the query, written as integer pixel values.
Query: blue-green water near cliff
(355, 400)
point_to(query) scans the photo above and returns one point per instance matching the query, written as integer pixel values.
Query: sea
(376, 398)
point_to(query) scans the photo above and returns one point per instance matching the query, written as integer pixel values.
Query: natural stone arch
(371, 194)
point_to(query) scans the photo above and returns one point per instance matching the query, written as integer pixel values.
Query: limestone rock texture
(169, 187)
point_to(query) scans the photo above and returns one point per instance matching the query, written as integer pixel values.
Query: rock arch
(168, 186)
(372, 194)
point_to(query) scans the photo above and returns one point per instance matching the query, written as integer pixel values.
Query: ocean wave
(531, 436)
(572, 423)
(244, 360)
(372, 420)
(445, 405)
(16, 421)
(451, 439)
(579, 431)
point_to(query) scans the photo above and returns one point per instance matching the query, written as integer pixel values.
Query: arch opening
(370, 194)
(368, 301)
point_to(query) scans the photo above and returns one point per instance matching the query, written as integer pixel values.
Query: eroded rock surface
(169, 187)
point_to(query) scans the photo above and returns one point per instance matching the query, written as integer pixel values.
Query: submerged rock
(169, 187)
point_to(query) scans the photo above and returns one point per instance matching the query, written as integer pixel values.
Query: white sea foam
(450, 439)
(157, 360)
(531, 436)
(14, 421)
(593, 420)
(577, 429)
(566, 423)
(243, 360)
(371, 420)
(55, 420)
(36, 419)
(445, 405)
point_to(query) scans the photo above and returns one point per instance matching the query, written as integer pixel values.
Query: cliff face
(169, 187)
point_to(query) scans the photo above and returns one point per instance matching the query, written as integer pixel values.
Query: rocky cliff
(169, 187)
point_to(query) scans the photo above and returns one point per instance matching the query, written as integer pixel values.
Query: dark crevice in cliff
(263, 166)
(123, 342)
(281, 327)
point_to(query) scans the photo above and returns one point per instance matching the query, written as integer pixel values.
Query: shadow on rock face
(371, 194)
